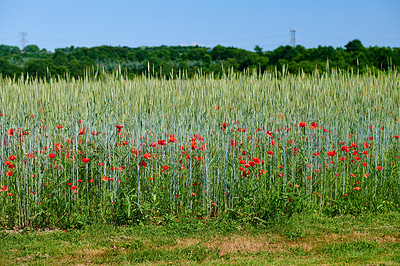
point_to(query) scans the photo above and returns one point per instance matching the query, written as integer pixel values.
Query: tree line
(170, 60)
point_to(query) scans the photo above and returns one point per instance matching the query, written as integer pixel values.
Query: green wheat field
(175, 168)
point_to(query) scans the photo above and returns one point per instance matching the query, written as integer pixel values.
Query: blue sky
(54, 24)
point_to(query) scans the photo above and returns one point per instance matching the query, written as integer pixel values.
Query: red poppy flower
(379, 168)
(52, 155)
(308, 177)
(396, 136)
(317, 153)
(11, 132)
(251, 163)
(9, 173)
(172, 139)
(153, 145)
(233, 142)
(314, 125)
(193, 143)
(357, 188)
(345, 148)
(85, 160)
(242, 162)
(147, 155)
(119, 126)
(165, 167)
(270, 152)
(224, 125)
(256, 160)
(331, 153)
(247, 165)
(104, 178)
(74, 187)
(302, 124)
(4, 188)
(12, 157)
(80, 180)
(366, 145)
(161, 142)
(69, 184)
(82, 131)
(364, 164)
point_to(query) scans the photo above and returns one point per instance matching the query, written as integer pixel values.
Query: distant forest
(170, 60)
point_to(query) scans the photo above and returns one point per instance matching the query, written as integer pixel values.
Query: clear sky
(54, 24)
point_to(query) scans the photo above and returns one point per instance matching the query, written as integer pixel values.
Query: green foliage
(189, 60)
(354, 46)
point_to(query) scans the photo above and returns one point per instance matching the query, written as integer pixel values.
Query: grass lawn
(305, 239)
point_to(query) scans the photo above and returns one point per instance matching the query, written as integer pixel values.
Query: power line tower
(293, 37)
(23, 40)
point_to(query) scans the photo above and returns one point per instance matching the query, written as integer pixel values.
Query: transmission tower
(293, 37)
(23, 40)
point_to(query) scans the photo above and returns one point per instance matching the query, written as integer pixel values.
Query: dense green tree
(286, 53)
(7, 69)
(60, 57)
(258, 50)
(40, 68)
(32, 49)
(6, 50)
(354, 46)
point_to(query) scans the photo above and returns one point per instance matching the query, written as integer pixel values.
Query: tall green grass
(78, 118)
